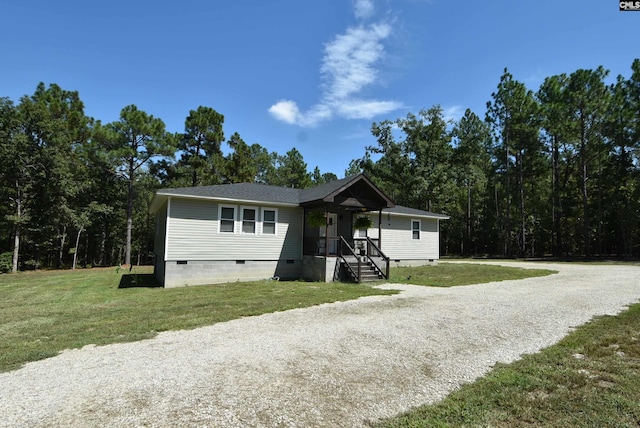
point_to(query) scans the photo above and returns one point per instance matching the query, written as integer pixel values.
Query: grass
(455, 274)
(43, 313)
(589, 379)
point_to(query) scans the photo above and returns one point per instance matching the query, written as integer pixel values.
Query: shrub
(6, 262)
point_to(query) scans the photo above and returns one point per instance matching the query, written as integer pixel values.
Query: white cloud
(365, 109)
(363, 9)
(286, 111)
(348, 66)
(348, 63)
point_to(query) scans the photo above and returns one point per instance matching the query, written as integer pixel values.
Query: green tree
(136, 138)
(240, 167)
(201, 145)
(291, 171)
(316, 177)
(16, 168)
(557, 132)
(55, 127)
(471, 163)
(513, 118)
(588, 100)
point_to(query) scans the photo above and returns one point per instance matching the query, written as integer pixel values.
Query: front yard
(43, 313)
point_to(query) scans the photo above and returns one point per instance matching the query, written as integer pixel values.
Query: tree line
(551, 172)
(78, 191)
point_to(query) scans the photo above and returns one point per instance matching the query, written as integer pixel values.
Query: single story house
(248, 231)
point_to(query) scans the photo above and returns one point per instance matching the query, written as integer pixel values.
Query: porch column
(380, 229)
(326, 234)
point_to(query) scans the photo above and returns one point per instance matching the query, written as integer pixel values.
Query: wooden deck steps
(368, 272)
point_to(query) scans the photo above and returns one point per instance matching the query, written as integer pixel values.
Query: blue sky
(313, 75)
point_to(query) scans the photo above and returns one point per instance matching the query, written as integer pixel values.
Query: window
(227, 219)
(248, 220)
(269, 220)
(415, 229)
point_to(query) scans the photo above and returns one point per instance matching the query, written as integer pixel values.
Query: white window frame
(419, 230)
(275, 221)
(220, 219)
(255, 220)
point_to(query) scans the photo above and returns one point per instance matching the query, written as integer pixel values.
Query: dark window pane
(269, 216)
(227, 213)
(248, 214)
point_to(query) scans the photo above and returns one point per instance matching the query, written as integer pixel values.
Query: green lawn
(453, 274)
(589, 379)
(43, 313)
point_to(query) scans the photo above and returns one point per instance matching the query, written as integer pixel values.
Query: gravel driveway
(339, 364)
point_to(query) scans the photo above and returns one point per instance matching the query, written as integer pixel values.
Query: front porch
(335, 249)
(364, 262)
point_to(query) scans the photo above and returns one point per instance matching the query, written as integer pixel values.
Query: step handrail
(358, 274)
(382, 255)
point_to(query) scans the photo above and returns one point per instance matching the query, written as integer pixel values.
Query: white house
(247, 231)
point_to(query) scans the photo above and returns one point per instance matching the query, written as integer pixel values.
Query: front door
(332, 230)
(333, 233)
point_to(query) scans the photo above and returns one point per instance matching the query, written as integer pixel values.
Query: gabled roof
(247, 192)
(332, 192)
(347, 191)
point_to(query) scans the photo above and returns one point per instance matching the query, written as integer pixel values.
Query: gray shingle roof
(239, 191)
(253, 192)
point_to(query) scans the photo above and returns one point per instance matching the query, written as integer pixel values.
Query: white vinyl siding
(194, 234)
(398, 241)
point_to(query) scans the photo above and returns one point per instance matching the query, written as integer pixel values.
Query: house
(248, 231)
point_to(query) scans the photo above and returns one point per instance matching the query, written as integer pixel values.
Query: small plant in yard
(6, 261)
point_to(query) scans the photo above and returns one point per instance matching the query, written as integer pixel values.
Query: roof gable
(356, 191)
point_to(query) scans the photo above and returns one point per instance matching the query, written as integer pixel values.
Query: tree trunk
(16, 238)
(127, 253)
(507, 225)
(103, 242)
(63, 239)
(556, 235)
(75, 253)
(16, 250)
(467, 240)
(585, 199)
(523, 220)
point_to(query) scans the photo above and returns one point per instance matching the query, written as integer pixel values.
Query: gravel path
(332, 365)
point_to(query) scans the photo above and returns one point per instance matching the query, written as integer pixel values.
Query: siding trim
(166, 230)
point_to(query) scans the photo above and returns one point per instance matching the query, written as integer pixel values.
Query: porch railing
(372, 253)
(373, 249)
